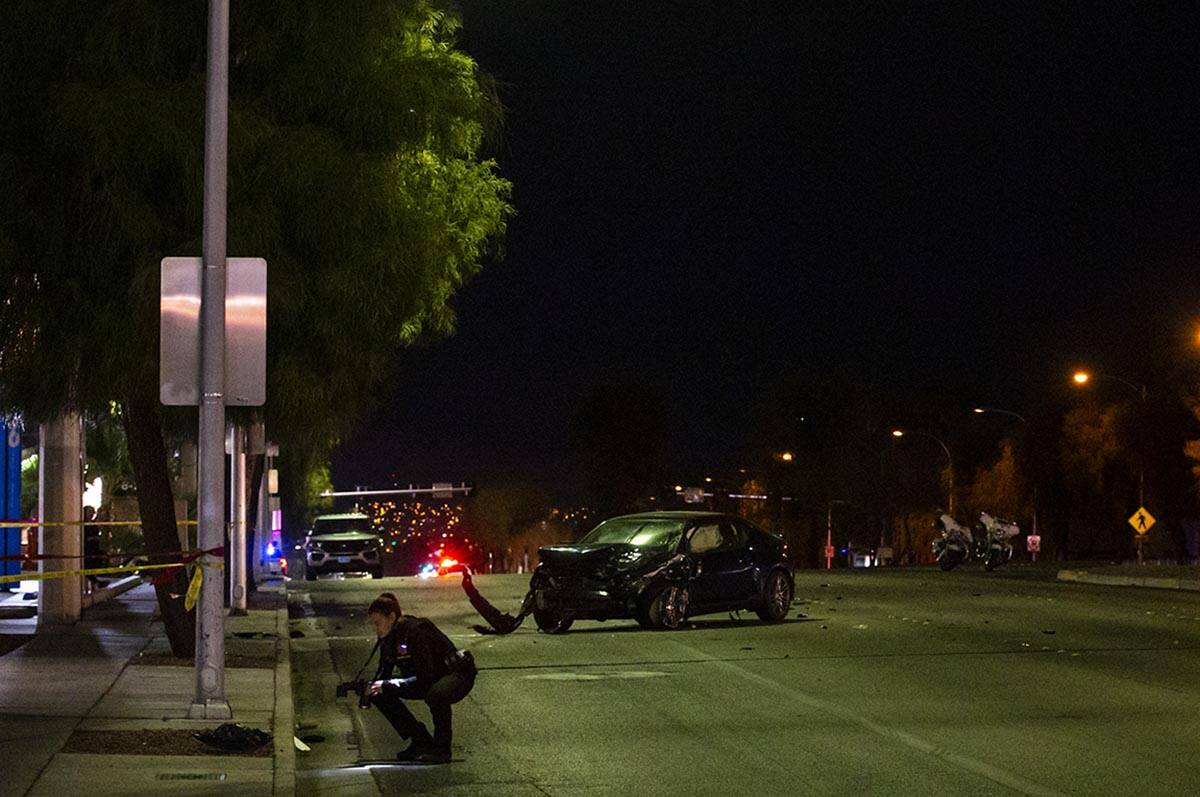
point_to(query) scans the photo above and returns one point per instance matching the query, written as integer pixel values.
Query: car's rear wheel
(551, 622)
(777, 597)
(664, 607)
(376, 572)
(309, 575)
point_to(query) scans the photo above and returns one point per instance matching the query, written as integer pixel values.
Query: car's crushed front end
(594, 582)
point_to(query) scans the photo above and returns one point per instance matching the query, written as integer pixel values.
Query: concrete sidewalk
(109, 672)
(1181, 577)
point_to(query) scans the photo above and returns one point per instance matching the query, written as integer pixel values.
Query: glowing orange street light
(786, 456)
(1081, 377)
(897, 433)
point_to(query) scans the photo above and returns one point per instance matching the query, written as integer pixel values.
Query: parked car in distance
(346, 543)
(661, 568)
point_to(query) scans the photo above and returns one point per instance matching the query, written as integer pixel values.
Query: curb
(283, 725)
(1084, 577)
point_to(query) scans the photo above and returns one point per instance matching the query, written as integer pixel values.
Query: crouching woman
(417, 662)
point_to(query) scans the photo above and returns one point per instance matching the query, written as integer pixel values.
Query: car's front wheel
(777, 597)
(551, 622)
(664, 607)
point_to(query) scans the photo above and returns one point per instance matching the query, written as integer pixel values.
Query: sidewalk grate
(191, 776)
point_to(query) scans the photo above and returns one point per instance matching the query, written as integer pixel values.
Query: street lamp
(786, 456)
(945, 448)
(995, 411)
(1081, 378)
(829, 533)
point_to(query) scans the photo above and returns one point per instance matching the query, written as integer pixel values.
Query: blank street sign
(245, 331)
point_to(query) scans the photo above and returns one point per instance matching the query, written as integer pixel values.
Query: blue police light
(271, 549)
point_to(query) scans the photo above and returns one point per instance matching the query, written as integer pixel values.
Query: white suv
(342, 544)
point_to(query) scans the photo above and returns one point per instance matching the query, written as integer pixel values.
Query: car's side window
(732, 536)
(704, 539)
(750, 534)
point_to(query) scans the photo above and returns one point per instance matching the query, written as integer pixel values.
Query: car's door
(724, 574)
(739, 564)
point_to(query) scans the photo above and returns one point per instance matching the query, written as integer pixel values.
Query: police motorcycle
(954, 543)
(994, 540)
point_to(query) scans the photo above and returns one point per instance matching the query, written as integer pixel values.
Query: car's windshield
(341, 525)
(636, 531)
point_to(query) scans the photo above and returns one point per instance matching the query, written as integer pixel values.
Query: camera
(359, 688)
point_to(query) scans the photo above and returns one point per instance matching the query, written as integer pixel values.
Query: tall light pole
(884, 481)
(1081, 378)
(1021, 418)
(829, 534)
(210, 702)
(945, 448)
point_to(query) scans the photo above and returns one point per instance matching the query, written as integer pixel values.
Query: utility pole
(829, 549)
(829, 537)
(210, 702)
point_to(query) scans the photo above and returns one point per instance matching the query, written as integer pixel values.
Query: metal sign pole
(210, 702)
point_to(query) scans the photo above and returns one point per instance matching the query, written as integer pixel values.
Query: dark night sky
(712, 195)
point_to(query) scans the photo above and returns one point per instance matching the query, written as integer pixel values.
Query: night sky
(713, 197)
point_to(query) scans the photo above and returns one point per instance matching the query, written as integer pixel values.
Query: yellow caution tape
(193, 591)
(21, 524)
(34, 575)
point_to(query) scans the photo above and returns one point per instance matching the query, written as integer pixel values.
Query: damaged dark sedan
(661, 568)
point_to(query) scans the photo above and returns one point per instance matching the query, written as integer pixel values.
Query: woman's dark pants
(444, 692)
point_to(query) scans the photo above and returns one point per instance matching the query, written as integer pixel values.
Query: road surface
(884, 682)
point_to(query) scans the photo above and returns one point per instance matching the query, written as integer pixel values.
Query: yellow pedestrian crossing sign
(1142, 520)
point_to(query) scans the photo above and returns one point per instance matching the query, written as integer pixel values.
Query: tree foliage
(354, 168)
(620, 434)
(999, 488)
(1091, 444)
(495, 514)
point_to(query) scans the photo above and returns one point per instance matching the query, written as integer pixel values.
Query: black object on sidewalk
(234, 738)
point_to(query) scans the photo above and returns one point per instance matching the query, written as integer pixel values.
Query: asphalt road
(886, 682)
